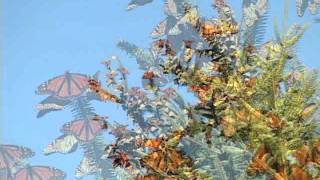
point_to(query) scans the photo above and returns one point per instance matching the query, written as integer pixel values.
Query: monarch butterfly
(163, 44)
(6, 174)
(188, 43)
(83, 129)
(103, 94)
(42, 172)
(120, 159)
(63, 144)
(209, 29)
(188, 52)
(102, 120)
(259, 162)
(64, 86)
(173, 8)
(11, 154)
(160, 29)
(50, 104)
(152, 80)
(251, 82)
(154, 143)
(274, 121)
(168, 161)
(303, 154)
(298, 173)
(119, 130)
(148, 75)
(98, 118)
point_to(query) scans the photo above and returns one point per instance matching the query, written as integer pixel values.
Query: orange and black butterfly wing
(107, 96)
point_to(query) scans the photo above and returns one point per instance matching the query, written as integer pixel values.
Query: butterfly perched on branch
(104, 124)
(168, 161)
(103, 94)
(209, 29)
(165, 158)
(164, 45)
(259, 162)
(120, 157)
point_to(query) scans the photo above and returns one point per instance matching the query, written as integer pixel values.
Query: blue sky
(42, 39)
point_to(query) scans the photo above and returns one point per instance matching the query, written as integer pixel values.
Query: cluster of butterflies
(305, 156)
(67, 86)
(13, 167)
(65, 91)
(161, 160)
(62, 90)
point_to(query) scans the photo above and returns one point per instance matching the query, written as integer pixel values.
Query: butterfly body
(102, 93)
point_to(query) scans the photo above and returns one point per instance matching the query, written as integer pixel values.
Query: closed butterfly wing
(83, 129)
(166, 161)
(50, 104)
(191, 17)
(39, 173)
(136, 3)
(160, 29)
(86, 167)
(119, 130)
(64, 86)
(11, 154)
(64, 144)
(174, 7)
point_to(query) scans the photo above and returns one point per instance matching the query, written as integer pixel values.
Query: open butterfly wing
(160, 29)
(83, 129)
(5, 174)
(73, 85)
(39, 173)
(11, 154)
(67, 85)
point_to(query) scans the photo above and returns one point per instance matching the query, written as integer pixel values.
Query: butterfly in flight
(83, 129)
(10, 155)
(39, 173)
(65, 86)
